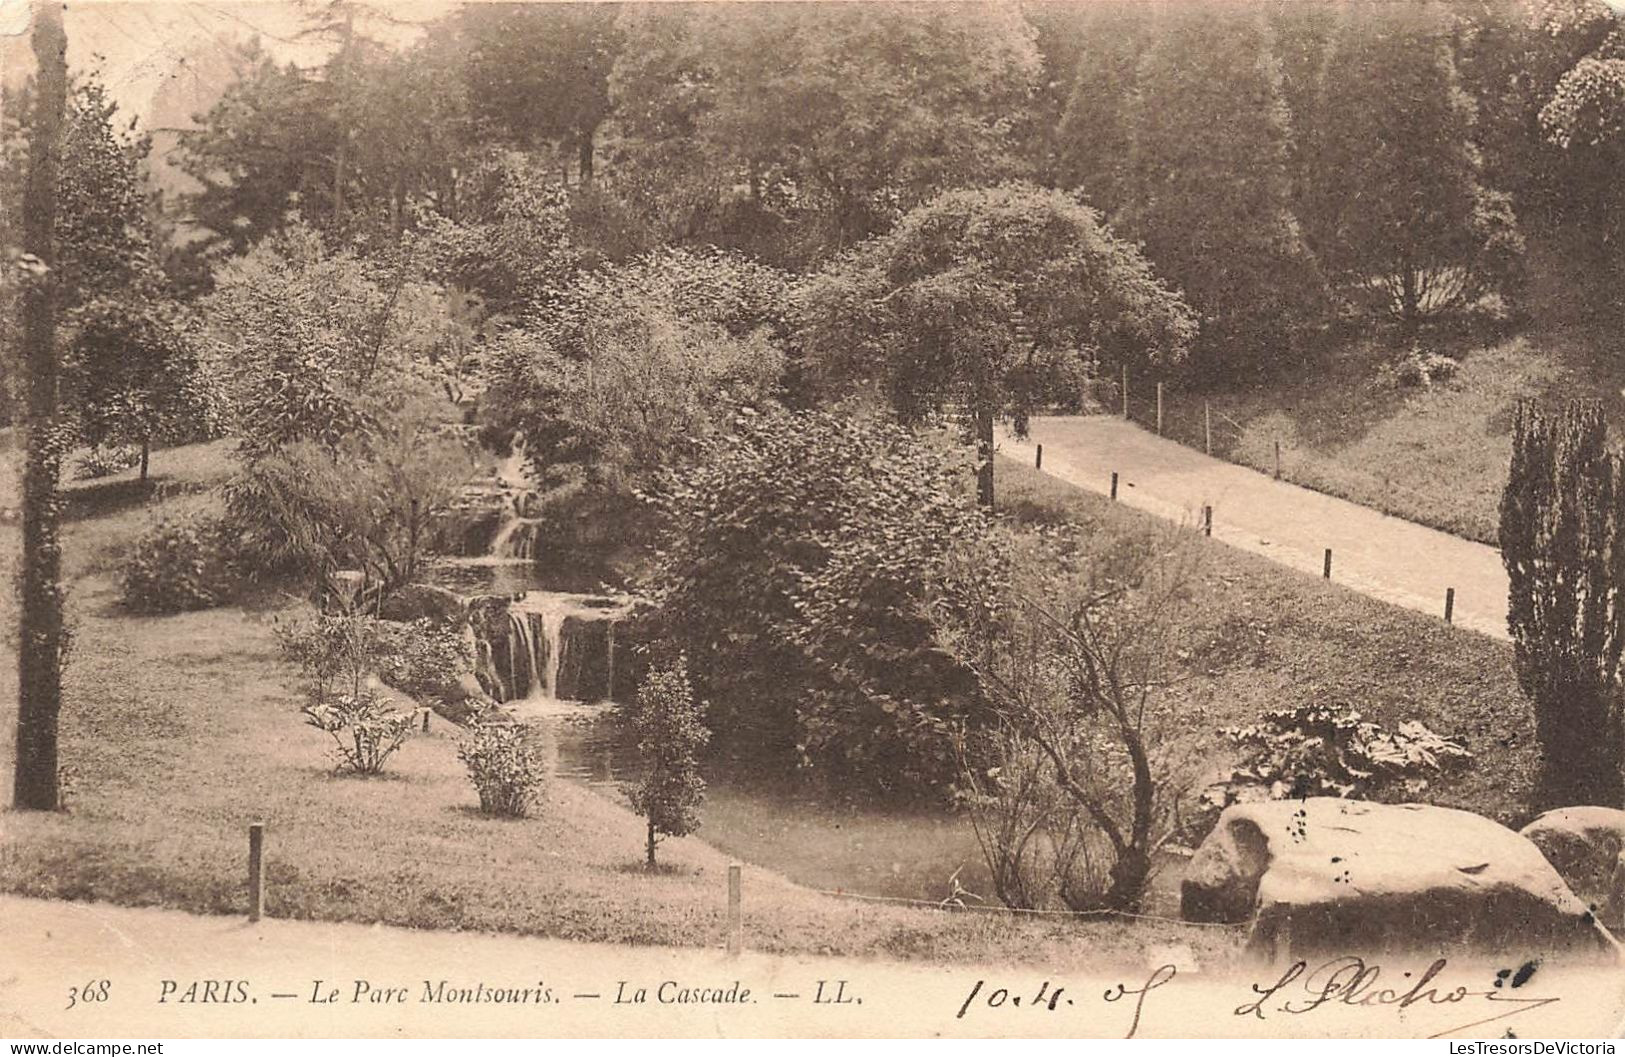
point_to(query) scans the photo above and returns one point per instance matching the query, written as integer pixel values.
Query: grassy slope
(1279, 639)
(181, 730)
(1435, 455)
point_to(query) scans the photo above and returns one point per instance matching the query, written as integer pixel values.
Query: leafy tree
(511, 245)
(41, 636)
(135, 375)
(1093, 137)
(354, 147)
(1564, 550)
(836, 118)
(670, 730)
(540, 73)
(303, 337)
(1584, 115)
(261, 152)
(932, 311)
(1396, 209)
(1206, 187)
(791, 568)
(367, 503)
(638, 365)
(129, 370)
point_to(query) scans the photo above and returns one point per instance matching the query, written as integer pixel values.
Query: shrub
(792, 572)
(181, 563)
(1420, 368)
(364, 728)
(1075, 643)
(338, 655)
(105, 460)
(505, 768)
(1315, 750)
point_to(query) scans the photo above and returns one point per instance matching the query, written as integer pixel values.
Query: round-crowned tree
(977, 296)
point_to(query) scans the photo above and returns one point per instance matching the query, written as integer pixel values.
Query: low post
(1449, 604)
(425, 721)
(256, 871)
(1283, 941)
(1207, 425)
(1159, 409)
(735, 925)
(1207, 520)
(1125, 391)
(1277, 458)
(1038, 460)
(1326, 571)
(1114, 484)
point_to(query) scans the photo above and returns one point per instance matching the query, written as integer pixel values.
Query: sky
(141, 44)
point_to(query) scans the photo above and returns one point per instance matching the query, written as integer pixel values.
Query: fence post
(426, 721)
(1277, 458)
(1038, 460)
(1207, 425)
(1114, 484)
(1207, 520)
(1159, 409)
(256, 870)
(1283, 941)
(735, 925)
(1125, 391)
(1326, 571)
(1449, 604)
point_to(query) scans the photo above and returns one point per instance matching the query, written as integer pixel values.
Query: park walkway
(1384, 557)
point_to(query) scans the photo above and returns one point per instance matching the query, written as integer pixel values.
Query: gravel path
(1378, 555)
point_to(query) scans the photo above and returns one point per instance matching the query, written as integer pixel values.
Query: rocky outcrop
(1347, 876)
(1584, 844)
(419, 601)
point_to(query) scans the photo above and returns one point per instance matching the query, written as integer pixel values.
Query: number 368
(94, 991)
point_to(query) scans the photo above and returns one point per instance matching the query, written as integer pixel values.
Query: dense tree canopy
(988, 300)
(1396, 207)
(1206, 186)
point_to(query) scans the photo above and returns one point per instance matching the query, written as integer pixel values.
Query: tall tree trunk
(651, 844)
(41, 639)
(1410, 301)
(584, 151)
(984, 455)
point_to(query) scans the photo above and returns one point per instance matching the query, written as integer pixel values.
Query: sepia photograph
(836, 519)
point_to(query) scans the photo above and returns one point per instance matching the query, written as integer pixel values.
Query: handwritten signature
(1346, 982)
(1352, 981)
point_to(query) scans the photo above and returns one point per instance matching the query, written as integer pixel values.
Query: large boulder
(1584, 844)
(1348, 876)
(415, 601)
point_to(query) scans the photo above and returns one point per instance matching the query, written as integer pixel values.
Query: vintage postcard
(1025, 518)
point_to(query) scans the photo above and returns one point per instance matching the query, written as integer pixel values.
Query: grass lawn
(1436, 455)
(179, 731)
(1281, 639)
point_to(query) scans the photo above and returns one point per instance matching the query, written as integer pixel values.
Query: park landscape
(533, 459)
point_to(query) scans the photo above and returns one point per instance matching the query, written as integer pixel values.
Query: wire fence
(1193, 421)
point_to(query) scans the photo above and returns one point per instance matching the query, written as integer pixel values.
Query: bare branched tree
(1077, 653)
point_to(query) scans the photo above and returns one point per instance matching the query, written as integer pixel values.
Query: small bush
(505, 768)
(1420, 369)
(1319, 751)
(105, 461)
(340, 653)
(366, 731)
(181, 563)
